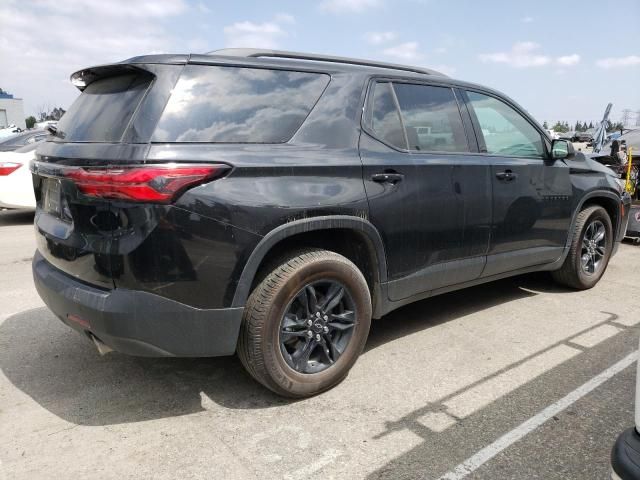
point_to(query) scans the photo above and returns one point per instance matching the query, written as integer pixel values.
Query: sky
(559, 60)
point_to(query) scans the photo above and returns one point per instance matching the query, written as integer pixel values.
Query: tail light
(148, 183)
(7, 168)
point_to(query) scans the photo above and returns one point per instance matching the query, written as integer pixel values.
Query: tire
(572, 273)
(272, 361)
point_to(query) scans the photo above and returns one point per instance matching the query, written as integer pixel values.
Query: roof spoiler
(83, 78)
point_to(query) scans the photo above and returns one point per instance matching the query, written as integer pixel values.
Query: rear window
(238, 105)
(103, 110)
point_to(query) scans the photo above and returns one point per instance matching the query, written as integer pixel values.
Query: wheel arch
(347, 234)
(607, 200)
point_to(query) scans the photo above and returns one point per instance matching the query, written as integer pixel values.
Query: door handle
(391, 178)
(507, 176)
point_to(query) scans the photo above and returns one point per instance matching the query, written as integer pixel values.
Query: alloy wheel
(317, 326)
(594, 244)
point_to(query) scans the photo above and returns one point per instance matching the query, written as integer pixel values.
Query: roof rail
(254, 52)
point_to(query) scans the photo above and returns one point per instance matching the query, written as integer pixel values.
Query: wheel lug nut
(309, 322)
(309, 333)
(326, 318)
(318, 314)
(326, 329)
(318, 337)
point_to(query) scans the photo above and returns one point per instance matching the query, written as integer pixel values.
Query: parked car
(271, 203)
(625, 456)
(21, 139)
(566, 135)
(9, 131)
(16, 185)
(582, 137)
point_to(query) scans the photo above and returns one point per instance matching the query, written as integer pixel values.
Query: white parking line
(487, 453)
(325, 459)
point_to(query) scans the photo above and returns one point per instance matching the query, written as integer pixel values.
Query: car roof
(302, 61)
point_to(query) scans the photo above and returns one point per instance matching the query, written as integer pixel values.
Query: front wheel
(590, 250)
(306, 323)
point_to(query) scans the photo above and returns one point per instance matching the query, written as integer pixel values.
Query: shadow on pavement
(62, 371)
(16, 217)
(575, 443)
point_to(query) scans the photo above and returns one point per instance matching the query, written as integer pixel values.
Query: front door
(429, 197)
(532, 195)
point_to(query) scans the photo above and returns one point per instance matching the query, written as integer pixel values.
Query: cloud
(114, 8)
(404, 51)
(618, 62)
(285, 18)
(377, 38)
(348, 6)
(521, 55)
(77, 33)
(440, 50)
(203, 8)
(568, 60)
(527, 19)
(257, 35)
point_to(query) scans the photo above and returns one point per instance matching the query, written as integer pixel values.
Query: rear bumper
(625, 456)
(135, 322)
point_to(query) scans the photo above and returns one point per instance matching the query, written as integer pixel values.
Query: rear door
(429, 196)
(532, 195)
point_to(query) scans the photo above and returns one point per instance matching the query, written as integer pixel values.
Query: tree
(615, 127)
(46, 113)
(590, 124)
(30, 121)
(560, 127)
(2, 91)
(545, 125)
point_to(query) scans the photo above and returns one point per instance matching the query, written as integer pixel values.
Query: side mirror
(561, 149)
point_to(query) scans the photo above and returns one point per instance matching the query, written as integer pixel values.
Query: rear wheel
(590, 250)
(306, 323)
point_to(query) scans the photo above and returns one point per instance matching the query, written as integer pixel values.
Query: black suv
(271, 203)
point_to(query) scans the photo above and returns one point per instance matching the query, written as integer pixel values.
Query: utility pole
(626, 117)
(637, 118)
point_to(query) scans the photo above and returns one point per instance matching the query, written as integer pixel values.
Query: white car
(553, 134)
(16, 185)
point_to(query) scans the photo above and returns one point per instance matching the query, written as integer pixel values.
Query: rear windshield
(103, 110)
(238, 105)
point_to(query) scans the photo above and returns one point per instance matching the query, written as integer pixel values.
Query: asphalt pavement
(519, 379)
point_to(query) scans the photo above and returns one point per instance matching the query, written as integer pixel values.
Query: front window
(505, 131)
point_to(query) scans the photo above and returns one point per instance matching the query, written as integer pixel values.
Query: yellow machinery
(630, 186)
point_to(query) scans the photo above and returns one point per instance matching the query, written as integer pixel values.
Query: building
(11, 111)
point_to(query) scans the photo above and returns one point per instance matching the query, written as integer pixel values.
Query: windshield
(103, 110)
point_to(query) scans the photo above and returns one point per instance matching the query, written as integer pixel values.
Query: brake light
(149, 183)
(8, 167)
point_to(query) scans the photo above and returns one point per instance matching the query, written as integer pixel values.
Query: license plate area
(52, 196)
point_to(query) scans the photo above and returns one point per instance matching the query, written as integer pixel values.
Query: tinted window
(431, 118)
(505, 131)
(385, 118)
(238, 105)
(22, 139)
(103, 110)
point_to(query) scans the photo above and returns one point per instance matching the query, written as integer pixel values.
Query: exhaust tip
(102, 347)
